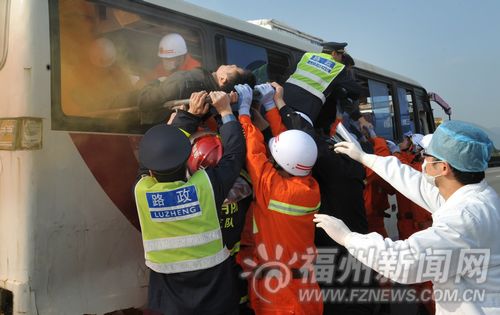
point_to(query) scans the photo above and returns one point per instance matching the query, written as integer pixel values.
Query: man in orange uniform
(411, 217)
(174, 56)
(376, 190)
(286, 198)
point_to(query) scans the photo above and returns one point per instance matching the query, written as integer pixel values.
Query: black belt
(264, 272)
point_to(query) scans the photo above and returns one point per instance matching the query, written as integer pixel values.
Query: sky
(451, 47)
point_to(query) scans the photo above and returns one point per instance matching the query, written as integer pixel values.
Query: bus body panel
(16, 192)
(88, 257)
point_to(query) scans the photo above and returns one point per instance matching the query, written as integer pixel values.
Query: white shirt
(468, 221)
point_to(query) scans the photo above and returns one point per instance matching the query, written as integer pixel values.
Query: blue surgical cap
(464, 146)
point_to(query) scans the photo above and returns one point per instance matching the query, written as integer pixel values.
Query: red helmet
(206, 151)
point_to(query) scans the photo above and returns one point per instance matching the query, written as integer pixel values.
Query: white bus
(69, 239)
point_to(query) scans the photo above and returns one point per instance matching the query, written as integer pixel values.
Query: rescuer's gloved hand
(245, 93)
(266, 91)
(355, 153)
(334, 227)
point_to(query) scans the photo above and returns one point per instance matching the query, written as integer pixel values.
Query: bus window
(379, 105)
(247, 56)
(107, 54)
(406, 110)
(279, 66)
(266, 64)
(4, 30)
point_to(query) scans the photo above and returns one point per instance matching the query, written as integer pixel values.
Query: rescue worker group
(265, 199)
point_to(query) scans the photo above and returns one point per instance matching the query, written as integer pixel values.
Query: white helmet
(172, 45)
(102, 52)
(426, 141)
(416, 138)
(295, 151)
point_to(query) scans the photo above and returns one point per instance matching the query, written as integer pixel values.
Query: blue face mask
(430, 179)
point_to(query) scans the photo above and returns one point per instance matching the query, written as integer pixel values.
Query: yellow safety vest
(315, 72)
(180, 225)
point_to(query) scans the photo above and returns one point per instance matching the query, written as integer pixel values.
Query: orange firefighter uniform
(275, 123)
(159, 72)
(413, 218)
(283, 230)
(375, 193)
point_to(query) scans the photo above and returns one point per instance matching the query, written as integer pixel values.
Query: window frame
(221, 34)
(6, 27)
(394, 85)
(61, 121)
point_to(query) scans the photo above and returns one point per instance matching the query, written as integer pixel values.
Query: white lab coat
(469, 219)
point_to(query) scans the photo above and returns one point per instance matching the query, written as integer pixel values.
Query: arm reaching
(271, 93)
(403, 178)
(334, 227)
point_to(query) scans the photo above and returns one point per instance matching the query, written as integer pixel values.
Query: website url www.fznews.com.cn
(389, 295)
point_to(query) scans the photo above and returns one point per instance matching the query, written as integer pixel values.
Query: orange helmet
(206, 151)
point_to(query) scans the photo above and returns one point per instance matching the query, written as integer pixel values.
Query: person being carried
(181, 85)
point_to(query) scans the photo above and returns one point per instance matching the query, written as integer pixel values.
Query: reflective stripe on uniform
(244, 299)
(308, 88)
(188, 243)
(245, 175)
(324, 84)
(290, 209)
(254, 226)
(190, 265)
(185, 132)
(182, 241)
(315, 72)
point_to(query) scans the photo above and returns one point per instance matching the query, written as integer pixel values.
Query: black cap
(333, 46)
(164, 148)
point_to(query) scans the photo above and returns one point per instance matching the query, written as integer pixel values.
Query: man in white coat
(464, 239)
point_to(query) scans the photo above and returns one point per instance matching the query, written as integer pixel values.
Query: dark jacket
(341, 184)
(180, 85)
(340, 178)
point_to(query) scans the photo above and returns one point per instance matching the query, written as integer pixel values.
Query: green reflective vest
(180, 225)
(315, 72)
